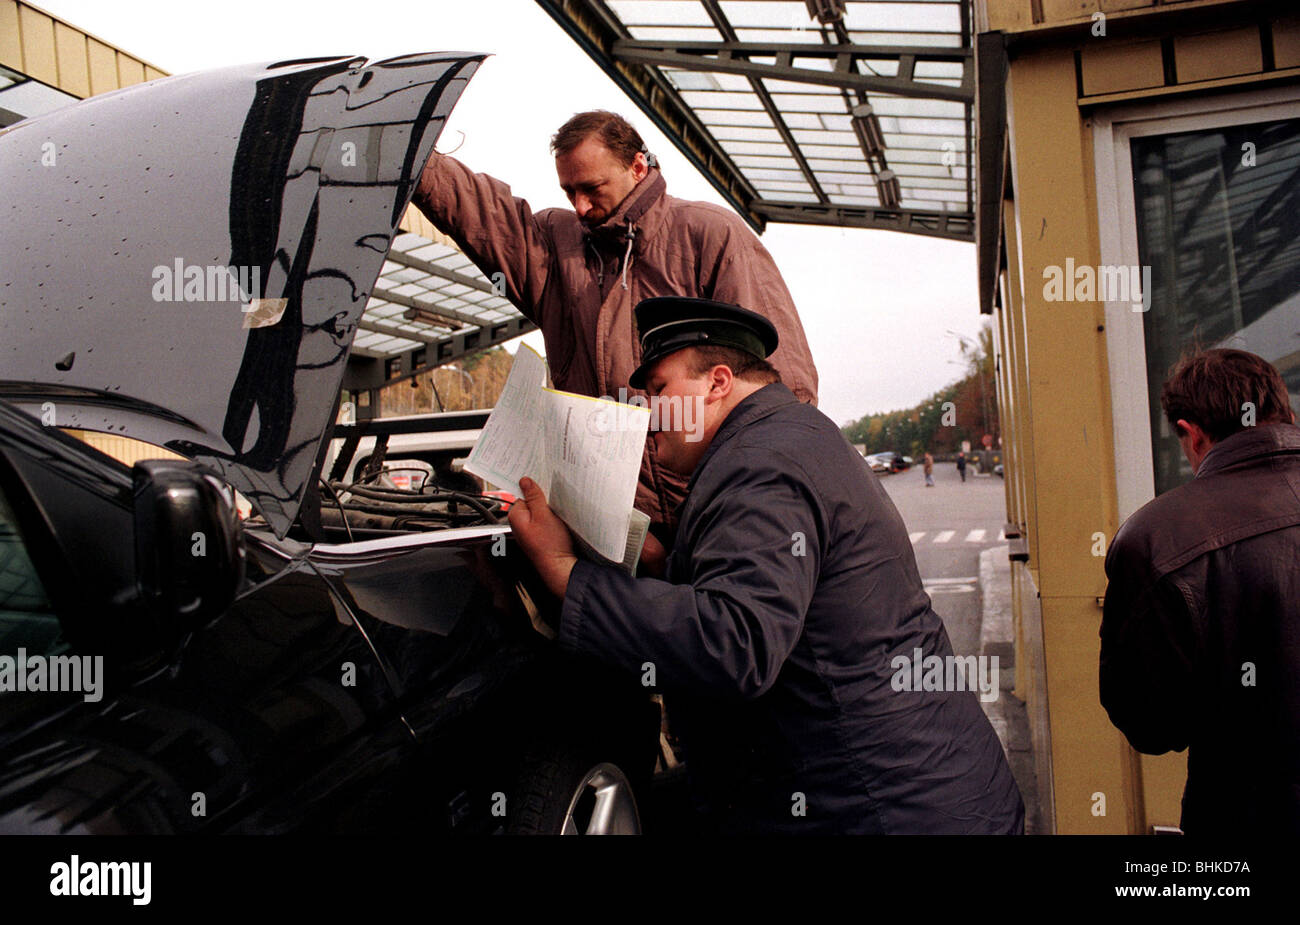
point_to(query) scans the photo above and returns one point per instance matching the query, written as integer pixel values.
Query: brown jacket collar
(631, 210)
(1249, 443)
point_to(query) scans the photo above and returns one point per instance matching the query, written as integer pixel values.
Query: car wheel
(562, 791)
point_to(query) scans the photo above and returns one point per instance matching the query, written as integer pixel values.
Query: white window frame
(1113, 129)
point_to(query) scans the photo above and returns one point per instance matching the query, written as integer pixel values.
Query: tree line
(965, 410)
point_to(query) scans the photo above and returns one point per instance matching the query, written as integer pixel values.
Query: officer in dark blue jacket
(811, 684)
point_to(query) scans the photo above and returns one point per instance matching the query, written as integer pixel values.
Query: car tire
(564, 790)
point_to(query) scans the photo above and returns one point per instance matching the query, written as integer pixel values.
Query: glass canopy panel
(809, 36)
(746, 133)
(903, 17)
(782, 14)
(426, 276)
(928, 39)
(751, 147)
(674, 34)
(744, 117)
(926, 139)
(702, 100)
(878, 67)
(809, 102)
(660, 12)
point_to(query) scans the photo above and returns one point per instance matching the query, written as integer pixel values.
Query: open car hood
(185, 261)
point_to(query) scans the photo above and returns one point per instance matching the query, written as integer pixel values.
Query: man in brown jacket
(577, 274)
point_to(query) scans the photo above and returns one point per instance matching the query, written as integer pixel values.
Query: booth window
(1218, 223)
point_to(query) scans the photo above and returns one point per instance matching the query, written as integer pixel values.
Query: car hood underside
(186, 261)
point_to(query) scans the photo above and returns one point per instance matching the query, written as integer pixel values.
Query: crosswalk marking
(947, 536)
(951, 585)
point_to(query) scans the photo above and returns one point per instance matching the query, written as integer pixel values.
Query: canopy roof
(860, 117)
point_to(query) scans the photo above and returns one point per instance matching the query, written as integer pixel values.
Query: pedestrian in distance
(928, 467)
(961, 464)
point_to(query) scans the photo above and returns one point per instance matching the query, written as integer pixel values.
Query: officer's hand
(543, 537)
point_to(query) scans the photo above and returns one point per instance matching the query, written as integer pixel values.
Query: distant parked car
(888, 462)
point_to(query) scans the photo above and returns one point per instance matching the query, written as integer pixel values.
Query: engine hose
(390, 497)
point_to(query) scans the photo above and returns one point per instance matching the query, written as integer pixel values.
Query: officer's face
(596, 181)
(682, 414)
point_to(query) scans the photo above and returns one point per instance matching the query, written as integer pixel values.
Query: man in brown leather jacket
(1200, 637)
(577, 274)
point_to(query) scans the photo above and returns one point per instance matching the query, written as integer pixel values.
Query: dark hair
(1208, 388)
(744, 366)
(614, 132)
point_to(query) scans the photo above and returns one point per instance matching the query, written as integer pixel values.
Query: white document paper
(584, 452)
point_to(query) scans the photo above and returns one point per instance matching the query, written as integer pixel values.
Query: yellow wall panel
(129, 70)
(11, 46)
(39, 59)
(103, 66)
(1163, 779)
(1112, 68)
(1108, 6)
(1217, 54)
(1018, 375)
(74, 70)
(1088, 770)
(1286, 42)
(1056, 217)
(1068, 425)
(1031, 685)
(413, 220)
(1056, 10)
(57, 53)
(1006, 15)
(124, 449)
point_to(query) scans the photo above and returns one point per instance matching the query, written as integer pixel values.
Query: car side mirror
(189, 556)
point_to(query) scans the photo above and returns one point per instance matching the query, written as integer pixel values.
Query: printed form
(584, 452)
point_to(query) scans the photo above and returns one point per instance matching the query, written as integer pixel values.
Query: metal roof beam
(955, 226)
(991, 161)
(755, 84)
(733, 58)
(433, 269)
(431, 308)
(596, 30)
(371, 372)
(430, 339)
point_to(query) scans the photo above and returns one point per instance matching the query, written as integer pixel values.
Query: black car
(353, 658)
(889, 461)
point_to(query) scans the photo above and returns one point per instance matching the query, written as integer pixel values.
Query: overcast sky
(875, 304)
